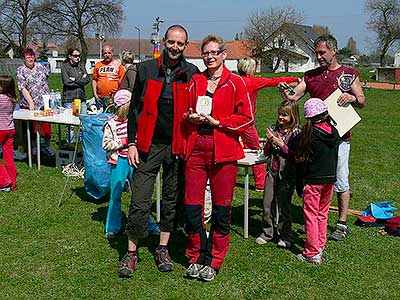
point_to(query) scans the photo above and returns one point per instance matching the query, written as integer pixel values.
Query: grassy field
(61, 253)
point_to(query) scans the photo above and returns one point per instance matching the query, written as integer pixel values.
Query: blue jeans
(119, 173)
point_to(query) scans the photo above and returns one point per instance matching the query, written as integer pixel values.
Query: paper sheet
(346, 117)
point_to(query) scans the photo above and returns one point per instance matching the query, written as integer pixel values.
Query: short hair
(328, 39)
(176, 26)
(213, 38)
(28, 51)
(106, 45)
(127, 57)
(246, 65)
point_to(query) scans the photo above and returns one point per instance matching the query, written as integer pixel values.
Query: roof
(235, 49)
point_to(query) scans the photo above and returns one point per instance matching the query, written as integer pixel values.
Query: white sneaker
(284, 243)
(261, 241)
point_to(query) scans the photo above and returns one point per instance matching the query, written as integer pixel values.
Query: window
(59, 63)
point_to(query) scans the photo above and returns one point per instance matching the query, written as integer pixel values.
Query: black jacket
(321, 167)
(74, 80)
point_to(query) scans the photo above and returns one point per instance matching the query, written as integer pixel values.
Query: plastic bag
(380, 210)
(97, 170)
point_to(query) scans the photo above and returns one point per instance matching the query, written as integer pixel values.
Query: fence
(9, 66)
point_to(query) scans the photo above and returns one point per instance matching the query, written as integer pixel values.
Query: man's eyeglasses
(213, 53)
(76, 55)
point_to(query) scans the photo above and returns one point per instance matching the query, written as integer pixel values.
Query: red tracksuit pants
(8, 172)
(252, 141)
(200, 166)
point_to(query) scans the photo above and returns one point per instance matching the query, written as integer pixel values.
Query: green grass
(61, 253)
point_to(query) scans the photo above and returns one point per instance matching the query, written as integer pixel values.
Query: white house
(296, 44)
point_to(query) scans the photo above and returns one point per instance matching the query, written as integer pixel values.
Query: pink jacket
(231, 106)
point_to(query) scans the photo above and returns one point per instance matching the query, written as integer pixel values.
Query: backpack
(393, 226)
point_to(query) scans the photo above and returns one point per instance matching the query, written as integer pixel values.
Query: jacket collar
(225, 76)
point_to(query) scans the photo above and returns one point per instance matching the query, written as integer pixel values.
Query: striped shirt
(7, 106)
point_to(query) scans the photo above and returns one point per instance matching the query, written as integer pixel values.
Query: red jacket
(143, 113)
(254, 84)
(231, 106)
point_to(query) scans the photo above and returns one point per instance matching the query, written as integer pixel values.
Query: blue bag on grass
(380, 210)
(97, 169)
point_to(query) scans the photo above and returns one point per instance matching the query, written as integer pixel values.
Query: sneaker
(261, 241)
(110, 234)
(48, 151)
(285, 243)
(34, 151)
(315, 260)
(339, 234)
(5, 189)
(128, 265)
(259, 190)
(19, 155)
(193, 271)
(163, 260)
(207, 274)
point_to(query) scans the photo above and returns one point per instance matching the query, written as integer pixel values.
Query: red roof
(235, 49)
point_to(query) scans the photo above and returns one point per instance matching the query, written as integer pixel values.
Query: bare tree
(262, 24)
(384, 20)
(321, 29)
(17, 19)
(81, 18)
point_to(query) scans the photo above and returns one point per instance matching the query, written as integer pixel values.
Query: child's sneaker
(285, 243)
(340, 232)
(19, 155)
(128, 265)
(193, 271)
(207, 274)
(5, 189)
(315, 260)
(261, 241)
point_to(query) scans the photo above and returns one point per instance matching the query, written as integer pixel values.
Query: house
(291, 48)
(235, 49)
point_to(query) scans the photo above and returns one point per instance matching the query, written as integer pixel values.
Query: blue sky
(345, 18)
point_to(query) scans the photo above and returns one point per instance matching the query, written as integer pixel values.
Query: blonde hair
(213, 38)
(292, 109)
(127, 57)
(122, 111)
(246, 66)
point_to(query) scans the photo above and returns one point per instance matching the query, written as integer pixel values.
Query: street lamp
(138, 29)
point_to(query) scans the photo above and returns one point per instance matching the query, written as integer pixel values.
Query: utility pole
(155, 37)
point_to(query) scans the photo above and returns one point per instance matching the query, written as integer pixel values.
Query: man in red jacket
(159, 101)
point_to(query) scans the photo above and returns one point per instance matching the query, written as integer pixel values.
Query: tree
(352, 45)
(321, 30)
(384, 20)
(17, 18)
(262, 24)
(81, 18)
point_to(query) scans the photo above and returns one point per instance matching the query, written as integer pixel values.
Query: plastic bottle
(83, 108)
(52, 100)
(58, 103)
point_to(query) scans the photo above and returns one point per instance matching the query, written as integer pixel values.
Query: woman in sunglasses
(219, 110)
(74, 77)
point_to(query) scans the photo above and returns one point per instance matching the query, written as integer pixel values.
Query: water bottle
(52, 100)
(58, 103)
(83, 108)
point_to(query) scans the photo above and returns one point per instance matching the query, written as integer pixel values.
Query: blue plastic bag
(97, 169)
(380, 210)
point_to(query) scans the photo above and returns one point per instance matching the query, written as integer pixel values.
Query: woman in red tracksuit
(219, 110)
(246, 68)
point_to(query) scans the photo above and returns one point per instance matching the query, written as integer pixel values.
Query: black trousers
(143, 186)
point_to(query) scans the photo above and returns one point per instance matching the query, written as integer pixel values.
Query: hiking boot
(340, 233)
(128, 265)
(193, 271)
(207, 274)
(315, 260)
(285, 243)
(163, 260)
